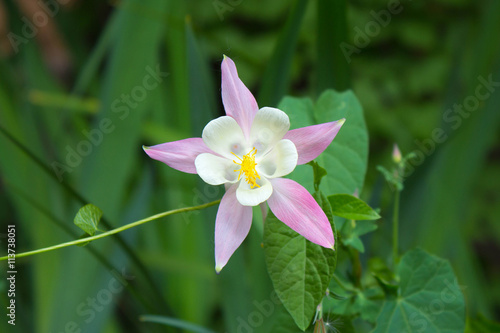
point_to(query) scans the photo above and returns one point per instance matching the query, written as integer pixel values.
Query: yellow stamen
(247, 166)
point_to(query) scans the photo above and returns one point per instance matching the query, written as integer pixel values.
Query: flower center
(247, 167)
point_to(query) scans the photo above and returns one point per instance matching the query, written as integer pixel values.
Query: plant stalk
(395, 229)
(114, 231)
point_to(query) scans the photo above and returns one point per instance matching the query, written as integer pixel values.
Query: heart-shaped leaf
(429, 299)
(88, 218)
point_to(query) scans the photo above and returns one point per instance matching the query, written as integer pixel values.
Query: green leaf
(429, 299)
(88, 218)
(325, 205)
(300, 270)
(318, 172)
(283, 323)
(352, 208)
(346, 158)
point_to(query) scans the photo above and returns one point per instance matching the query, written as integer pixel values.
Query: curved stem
(114, 231)
(64, 226)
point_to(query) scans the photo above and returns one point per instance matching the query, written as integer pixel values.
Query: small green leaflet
(88, 218)
(318, 172)
(429, 299)
(391, 178)
(351, 208)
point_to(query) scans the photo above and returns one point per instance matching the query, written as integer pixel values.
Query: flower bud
(396, 154)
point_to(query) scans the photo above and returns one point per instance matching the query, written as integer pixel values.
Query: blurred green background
(84, 84)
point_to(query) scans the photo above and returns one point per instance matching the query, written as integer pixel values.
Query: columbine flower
(249, 150)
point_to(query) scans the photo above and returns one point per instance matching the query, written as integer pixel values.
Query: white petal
(269, 126)
(215, 170)
(248, 196)
(223, 135)
(280, 161)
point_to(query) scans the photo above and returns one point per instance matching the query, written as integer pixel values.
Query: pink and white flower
(248, 151)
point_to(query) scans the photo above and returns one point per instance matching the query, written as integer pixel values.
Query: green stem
(114, 231)
(357, 269)
(395, 227)
(340, 283)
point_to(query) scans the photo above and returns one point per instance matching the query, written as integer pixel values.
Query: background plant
(428, 58)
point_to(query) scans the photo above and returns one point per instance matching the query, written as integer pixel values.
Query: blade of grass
(332, 68)
(201, 87)
(173, 322)
(276, 78)
(175, 44)
(91, 67)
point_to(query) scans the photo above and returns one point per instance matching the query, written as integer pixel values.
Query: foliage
(75, 109)
(88, 218)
